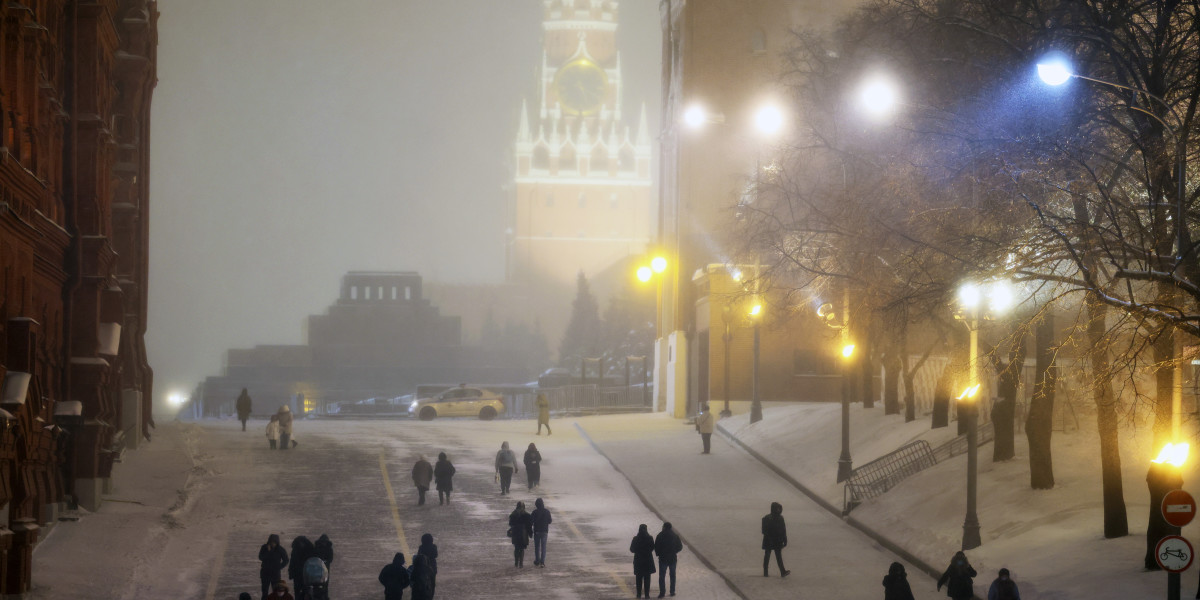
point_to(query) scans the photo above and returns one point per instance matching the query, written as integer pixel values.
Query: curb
(650, 505)
(891, 546)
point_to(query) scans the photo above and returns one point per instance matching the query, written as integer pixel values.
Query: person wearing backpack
(1004, 588)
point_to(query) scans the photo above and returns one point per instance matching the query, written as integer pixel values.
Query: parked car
(461, 401)
(554, 377)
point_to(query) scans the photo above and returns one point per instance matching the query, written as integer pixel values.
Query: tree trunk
(1004, 411)
(891, 380)
(1116, 521)
(941, 399)
(867, 365)
(1040, 422)
(1164, 380)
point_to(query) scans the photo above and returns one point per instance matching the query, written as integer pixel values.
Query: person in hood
(285, 427)
(443, 477)
(243, 407)
(273, 558)
(302, 550)
(323, 548)
(429, 550)
(1003, 588)
(543, 406)
(533, 466)
(520, 527)
(273, 431)
(506, 465)
(642, 548)
(774, 532)
(394, 578)
(422, 476)
(541, 528)
(895, 584)
(958, 578)
(667, 546)
(705, 421)
(420, 578)
(280, 591)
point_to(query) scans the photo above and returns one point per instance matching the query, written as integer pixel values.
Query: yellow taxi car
(461, 401)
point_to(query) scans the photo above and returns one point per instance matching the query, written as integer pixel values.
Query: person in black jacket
(541, 529)
(323, 548)
(273, 558)
(443, 475)
(429, 550)
(302, 550)
(642, 548)
(667, 546)
(420, 578)
(520, 527)
(958, 578)
(533, 466)
(895, 584)
(774, 532)
(394, 578)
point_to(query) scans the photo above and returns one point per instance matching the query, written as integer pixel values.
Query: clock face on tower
(581, 86)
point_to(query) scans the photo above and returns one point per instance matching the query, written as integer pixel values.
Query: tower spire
(523, 129)
(643, 134)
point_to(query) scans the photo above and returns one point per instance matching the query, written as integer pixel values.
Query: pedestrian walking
(280, 591)
(543, 406)
(1003, 588)
(541, 529)
(420, 578)
(895, 584)
(302, 550)
(704, 424)
(506, 465)
(285, 427)
(520, 527)
(243, 407)
(443, 477)
(273, 431)
(533, 466)
(323, 549)
(422, 476)
(394, 577)
(958, 578)
(774, 532)
(642, 548)
(273, 558)
(429, 550)
(667, 546)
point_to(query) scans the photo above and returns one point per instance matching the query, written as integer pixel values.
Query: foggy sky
(295, 140)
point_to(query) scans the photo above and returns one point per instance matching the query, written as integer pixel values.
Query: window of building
(407, 292)
(806, 361)
(393, 292)
(366, 292)
(758, 42)
(354, 292)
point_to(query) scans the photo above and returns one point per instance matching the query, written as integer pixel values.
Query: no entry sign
(1173, 553)
(1178, 508)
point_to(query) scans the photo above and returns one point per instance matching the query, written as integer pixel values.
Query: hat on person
(285, 408)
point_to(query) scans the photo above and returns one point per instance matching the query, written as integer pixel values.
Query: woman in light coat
(285, 427)
(273, 431)
(543, 406)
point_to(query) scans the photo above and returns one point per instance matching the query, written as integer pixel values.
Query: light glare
(755, 310)
(969, 295)
(969, 392)
(847, 350)
(644, 273)
(1000, 297)
(769, 120)
(175, 399)
(1054, 71)
(878, 96)
(659, 264)
(1173, 454)
(695, 117)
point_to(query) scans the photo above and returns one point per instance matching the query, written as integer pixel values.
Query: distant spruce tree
(584, 331)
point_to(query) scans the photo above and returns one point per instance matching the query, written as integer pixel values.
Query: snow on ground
(1051, 540)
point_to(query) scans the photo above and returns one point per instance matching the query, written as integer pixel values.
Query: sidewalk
(716, 503)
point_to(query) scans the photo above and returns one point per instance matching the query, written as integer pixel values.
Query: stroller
(315, 580)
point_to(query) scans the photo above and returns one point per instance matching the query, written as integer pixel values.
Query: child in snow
(273, 431)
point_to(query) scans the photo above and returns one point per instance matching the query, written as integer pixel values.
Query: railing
(580, 399)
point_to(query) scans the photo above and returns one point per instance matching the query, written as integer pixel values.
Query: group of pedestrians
(440, 475)
(959, 579)
(307, 567)
(420, 577)
(279, 429)
(525, 525)
(666, 546)
(506, 467)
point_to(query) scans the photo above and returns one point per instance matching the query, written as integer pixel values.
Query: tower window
(582, 199)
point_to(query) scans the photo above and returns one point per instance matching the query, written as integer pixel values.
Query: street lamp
(976, 303)
(878, 96)
(845, 463)
(756, 316)
(727, 317)
(1164, 476)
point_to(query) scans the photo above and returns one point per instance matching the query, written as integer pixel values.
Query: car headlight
(413, 406)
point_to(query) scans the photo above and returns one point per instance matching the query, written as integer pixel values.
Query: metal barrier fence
(880, 475)
(580, 399)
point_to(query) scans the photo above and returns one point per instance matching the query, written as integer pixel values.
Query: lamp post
(845, 464)
(976, 303)
(755, 403)
(727, 338)
(1165, 475)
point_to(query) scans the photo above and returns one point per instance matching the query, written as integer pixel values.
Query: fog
(296, 140)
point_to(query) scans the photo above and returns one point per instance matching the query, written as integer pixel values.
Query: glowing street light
(658, 264)
(1054, 71)
(768, 120)
(878, 96)
(847, 350)
(644, 273)
(1173, 454)
(176, 399)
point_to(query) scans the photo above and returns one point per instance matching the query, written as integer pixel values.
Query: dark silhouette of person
(302, 550)
(394, 577)
(443, 477)
(506, 465)
(273, 558)
(429, 550)
(520, 528)
(541, 530)
(420, 578)
(1003, 588)
(533, 466)
(667, 546)
(774, 532)
(642, 548)
(422, 476)
(895, 584)
(243, 407)
(958, 578)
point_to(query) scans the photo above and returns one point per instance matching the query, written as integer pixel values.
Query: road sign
(1173, 554)
(1178, 508)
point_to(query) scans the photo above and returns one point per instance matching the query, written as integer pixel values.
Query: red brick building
(76, 79)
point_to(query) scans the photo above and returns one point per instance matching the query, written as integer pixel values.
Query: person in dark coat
(543, 406)
(394, 578)
(429, 550)
(244, 596)
(642, 548)
(533, 466)
(323, 549)
(774, 532)
(1003, 588)
(302, 550)
(667, 546)
(273, 558)
(520, 527)
(443, 477)
(420, 578)
(958, 578)
(422, 476)
(506, 465)
(279, 591)
(895, 584)
(541, 529)
(243, 407)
